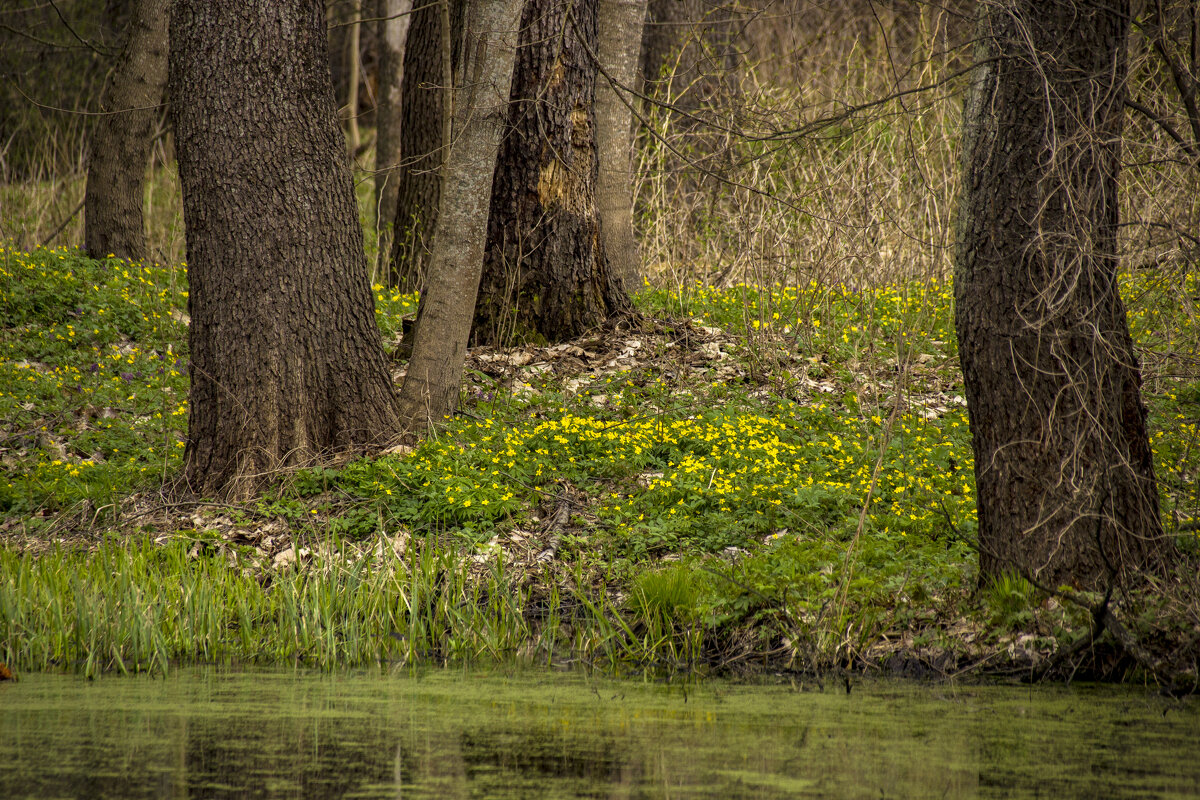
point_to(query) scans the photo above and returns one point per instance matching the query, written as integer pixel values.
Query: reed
(137, 606)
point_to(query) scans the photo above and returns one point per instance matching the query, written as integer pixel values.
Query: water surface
(476, 734)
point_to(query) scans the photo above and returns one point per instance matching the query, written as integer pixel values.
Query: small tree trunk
(1066, 489)
(689, 52)
(620, 34)
(393, 33)
(669, 52)
(287, 364)
(121, 139)
(431, 385)
(546, 274)
(418, 174)
(353, 74)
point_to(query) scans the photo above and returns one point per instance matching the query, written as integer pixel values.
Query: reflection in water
(214, 734)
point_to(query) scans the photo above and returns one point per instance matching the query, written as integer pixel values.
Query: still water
(209, 733)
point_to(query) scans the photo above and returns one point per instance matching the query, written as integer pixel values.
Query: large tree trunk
(121, 139)
(620, 34)
(545, 274)
(431, 385)
(422, 123)
(392, 35)
(287, 364)
(1066, 488)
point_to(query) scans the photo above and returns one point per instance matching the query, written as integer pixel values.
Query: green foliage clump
(93, 387)
(1009, 602)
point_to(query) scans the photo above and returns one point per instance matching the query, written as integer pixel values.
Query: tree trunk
(1066, 489)
(689, 52)
(668, 64)
(353, 75)
(545, 274)
(287, 365)
(393, 33)
(431, 385)
(418, 174)
(620, 34)
(121, 139)
(690, 61)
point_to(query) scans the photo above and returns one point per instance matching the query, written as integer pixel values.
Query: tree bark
(393, 33)
(418, 173)
(353, 74)
(1066, 488)
(546, 275)
(668, 57)
(287, 365)
(121, 139)
(620, 34)
(689, 51)
(481, 93)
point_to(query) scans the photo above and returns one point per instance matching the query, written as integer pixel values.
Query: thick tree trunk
(121, 139)
(392, 35)
(545, 274)
(1066, 489)
(422, 119)
(431, 385)
(287, 364)
(620, 34)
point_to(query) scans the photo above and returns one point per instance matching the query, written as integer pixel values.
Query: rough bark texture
(545, 274)
(620, 34)
(392, 35)
(287, 364)
(121, 138)
(431, 384)
(418, 173)
(1066, 488)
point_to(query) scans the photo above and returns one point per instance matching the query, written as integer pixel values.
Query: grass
(49, 211)
(135, 606)
(800, 491)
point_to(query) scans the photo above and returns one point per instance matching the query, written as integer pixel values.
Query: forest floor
(742, 479)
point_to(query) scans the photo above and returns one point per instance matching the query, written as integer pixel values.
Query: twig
(82, 41)
(64, 223)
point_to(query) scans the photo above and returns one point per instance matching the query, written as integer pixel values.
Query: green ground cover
(780, 475)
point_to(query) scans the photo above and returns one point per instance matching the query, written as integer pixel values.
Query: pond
(216, 733)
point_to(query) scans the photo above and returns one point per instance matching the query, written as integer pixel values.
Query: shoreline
(314, 610)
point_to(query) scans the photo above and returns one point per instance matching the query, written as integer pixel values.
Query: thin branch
(76, 111)
(384, 19)
(43, 42)
(63, 224)
(82, 41)
(1176, 230)
(1167, 127)
(1184, 83)
(624, 92)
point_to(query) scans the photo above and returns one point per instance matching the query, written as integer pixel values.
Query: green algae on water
(472, 733)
